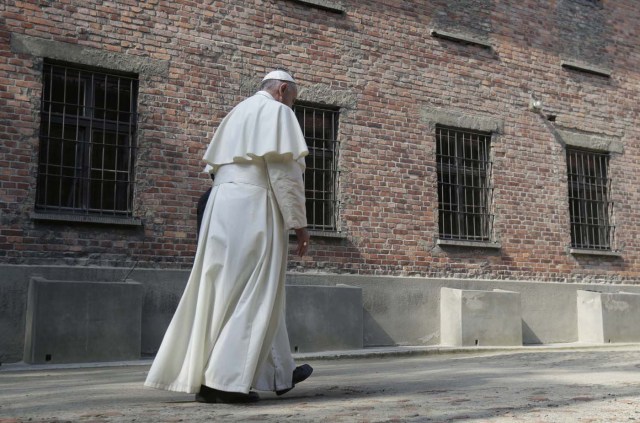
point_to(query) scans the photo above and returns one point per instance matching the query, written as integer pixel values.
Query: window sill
(460, 38)
(586, 68)
(323, 234)
(471, 244)
(105, 220)
(585, 252)
(330, 5)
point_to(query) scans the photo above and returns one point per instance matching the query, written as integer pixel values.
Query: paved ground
(523, 385)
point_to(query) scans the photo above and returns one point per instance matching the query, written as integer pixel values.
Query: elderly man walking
(228, 334)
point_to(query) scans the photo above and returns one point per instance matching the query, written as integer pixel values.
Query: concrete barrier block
(473, 317)
(323, 318)
(605, 317)
(82, 321)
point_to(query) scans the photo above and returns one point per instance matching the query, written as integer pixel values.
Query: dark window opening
(320, 127)
(87, 141)
(589, 206)
(464, 191)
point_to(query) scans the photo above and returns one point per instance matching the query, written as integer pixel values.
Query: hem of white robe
(228, 388)
(271, 388)
(175, 387)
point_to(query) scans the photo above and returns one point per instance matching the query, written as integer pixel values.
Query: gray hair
(272, 84)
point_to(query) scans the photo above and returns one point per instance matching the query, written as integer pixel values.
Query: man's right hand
(303, 241)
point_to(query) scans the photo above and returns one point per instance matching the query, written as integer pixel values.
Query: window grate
(589, 206)
(320, 128)
(87, 141)
(464, 191)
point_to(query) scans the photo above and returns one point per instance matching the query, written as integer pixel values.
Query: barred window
(87, 141)
(464, 190)
(589, 206)
(320, 127)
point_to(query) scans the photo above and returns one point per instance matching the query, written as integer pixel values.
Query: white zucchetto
(279, 75)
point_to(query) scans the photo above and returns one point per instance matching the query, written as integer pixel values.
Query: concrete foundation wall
(406, 311)
(323, 318)
(161, 291)
(608, 317)
(80, 321)
(480, 318)
(396, 311)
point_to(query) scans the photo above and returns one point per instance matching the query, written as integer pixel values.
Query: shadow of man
(202, 204)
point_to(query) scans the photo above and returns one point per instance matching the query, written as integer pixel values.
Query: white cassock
(229, 331)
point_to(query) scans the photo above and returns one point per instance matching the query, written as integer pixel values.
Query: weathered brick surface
(379, 55)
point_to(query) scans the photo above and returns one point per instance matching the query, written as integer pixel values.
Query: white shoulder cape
(256, 127)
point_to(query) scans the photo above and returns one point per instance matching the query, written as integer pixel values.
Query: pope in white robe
(228, 333)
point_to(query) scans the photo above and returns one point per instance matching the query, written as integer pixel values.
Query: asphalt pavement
(569, 383)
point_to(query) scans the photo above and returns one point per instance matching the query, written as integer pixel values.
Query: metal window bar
(87, 143)
(464, 190)
(319, 125)
(590, 208)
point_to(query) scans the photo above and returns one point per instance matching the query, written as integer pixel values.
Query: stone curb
(440, 350)
(382, 352)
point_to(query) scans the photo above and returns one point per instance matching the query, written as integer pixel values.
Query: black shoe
(300, 373)
(215, 396)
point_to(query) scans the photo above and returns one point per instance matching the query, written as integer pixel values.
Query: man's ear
(282, 88)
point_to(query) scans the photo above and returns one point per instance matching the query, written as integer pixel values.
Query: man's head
(281, 86)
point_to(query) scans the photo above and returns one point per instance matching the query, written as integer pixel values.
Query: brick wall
(380, 63)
